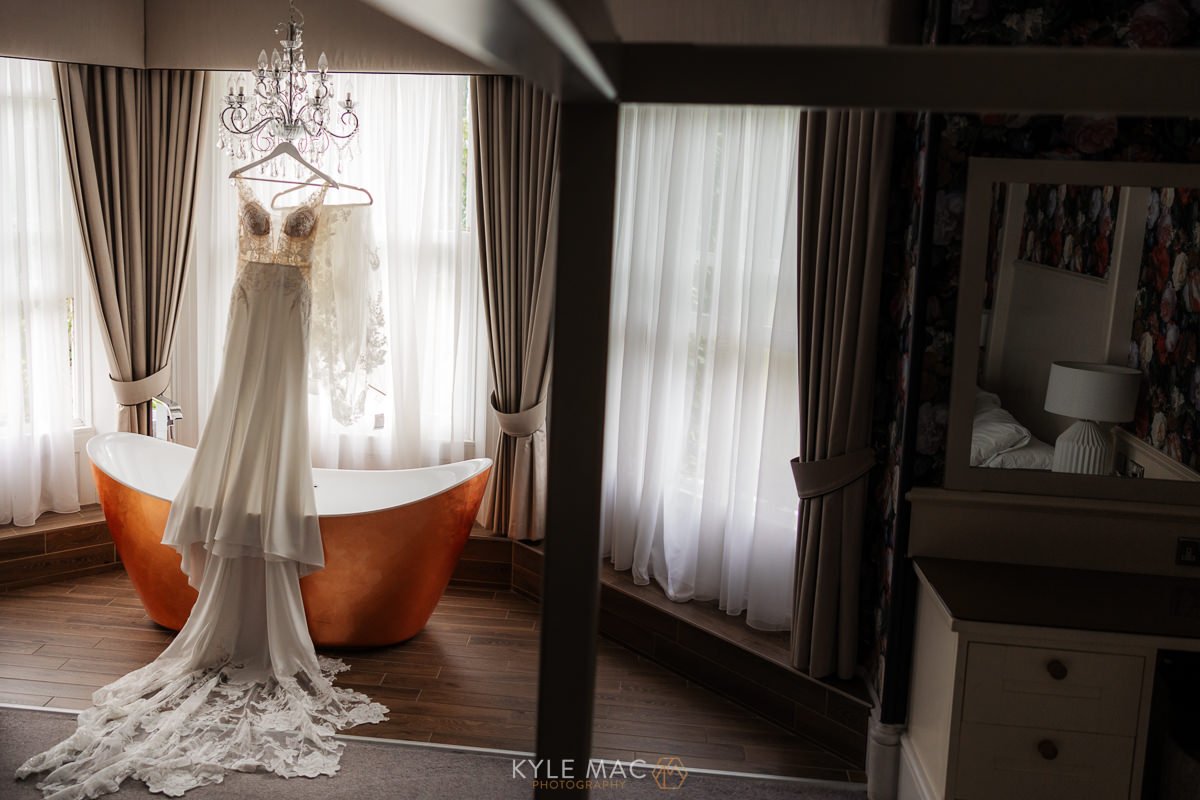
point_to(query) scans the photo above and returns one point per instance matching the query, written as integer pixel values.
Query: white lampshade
(1096, 392)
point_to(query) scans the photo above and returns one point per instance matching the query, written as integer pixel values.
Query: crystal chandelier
(287, 104)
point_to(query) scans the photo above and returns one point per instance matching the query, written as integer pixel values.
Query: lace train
(240, 688)
(176, 728)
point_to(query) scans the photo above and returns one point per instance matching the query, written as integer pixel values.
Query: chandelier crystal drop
(286, 104)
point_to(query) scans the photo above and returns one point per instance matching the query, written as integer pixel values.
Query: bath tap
(171, 413)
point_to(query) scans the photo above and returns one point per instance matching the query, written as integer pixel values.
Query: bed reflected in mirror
(1080, 288)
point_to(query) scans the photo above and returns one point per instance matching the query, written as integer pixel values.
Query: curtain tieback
(827, 475)
(132, 393)
(521, 423)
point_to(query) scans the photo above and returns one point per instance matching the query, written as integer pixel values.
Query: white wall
(83, 31)
(228, 34)
(217, 34)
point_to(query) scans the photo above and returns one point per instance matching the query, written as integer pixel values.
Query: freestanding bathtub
(392, 538)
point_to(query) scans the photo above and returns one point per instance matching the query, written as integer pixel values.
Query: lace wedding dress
(240, 687)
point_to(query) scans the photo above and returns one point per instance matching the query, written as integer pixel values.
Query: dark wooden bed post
(571, 582)
(579, 378)
(543, 41)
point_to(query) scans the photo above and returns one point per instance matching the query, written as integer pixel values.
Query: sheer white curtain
(702, 374)
(427, 403)
(40, 257)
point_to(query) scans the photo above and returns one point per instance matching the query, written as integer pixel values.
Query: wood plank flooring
(470, 679)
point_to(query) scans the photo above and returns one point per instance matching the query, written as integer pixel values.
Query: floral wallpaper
(1069, 227)
(1067, 23)
(1166, 325)
(985, 22)
(891, 391)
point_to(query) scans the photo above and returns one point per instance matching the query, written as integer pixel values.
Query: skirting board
(912, 783)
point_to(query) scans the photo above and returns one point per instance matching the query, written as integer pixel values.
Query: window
(702, 405)
(426, 400)
(43, 358)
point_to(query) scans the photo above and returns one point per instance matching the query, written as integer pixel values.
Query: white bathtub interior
(158, 468)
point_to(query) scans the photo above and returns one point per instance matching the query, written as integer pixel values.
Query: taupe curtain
(516, 169)
(133, 141)
(845, 169)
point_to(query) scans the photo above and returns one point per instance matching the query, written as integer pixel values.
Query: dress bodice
(281, 237)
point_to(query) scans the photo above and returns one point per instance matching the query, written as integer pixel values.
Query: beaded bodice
(277, 238)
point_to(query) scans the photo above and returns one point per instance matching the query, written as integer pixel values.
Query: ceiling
(763, 22)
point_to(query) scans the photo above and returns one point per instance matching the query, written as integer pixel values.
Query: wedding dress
(240, 687)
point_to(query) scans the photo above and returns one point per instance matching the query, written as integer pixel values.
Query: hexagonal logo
(669, 773)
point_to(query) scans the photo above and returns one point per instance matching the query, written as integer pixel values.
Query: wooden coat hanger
(284, 149)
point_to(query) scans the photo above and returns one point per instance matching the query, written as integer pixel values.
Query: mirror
(1075, 368)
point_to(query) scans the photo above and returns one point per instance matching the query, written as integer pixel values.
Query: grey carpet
(384, 771)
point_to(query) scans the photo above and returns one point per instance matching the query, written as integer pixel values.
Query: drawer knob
(1057, 669)
(1047, 749)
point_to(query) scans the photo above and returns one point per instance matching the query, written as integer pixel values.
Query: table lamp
(1090, 393)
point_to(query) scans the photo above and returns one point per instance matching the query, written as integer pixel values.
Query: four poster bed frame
(570, 49)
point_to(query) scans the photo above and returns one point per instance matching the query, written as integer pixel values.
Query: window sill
(55, 521)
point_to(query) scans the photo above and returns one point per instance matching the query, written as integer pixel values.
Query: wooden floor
(470, 678)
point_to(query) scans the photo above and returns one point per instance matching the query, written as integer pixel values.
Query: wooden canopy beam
(1053, 80)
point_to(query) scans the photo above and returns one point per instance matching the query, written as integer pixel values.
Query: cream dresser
(1034, 683)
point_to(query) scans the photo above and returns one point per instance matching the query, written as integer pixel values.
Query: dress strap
(318, 197)
(244, 193)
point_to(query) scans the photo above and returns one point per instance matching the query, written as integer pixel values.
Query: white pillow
(1035, 455)
(995, 431)
(985, 400)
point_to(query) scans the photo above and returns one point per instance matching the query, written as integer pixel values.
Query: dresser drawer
(1063, 690)
(997, 762)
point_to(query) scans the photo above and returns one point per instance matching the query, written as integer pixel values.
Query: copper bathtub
(392, 538)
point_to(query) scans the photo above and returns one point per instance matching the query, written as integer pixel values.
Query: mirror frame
(981, 174)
